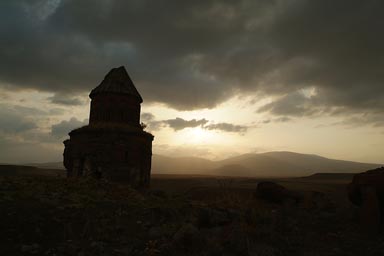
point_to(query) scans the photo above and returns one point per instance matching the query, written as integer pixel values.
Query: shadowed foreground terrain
(180, 215)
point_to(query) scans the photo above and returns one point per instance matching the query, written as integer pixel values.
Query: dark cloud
(16, 119)
(21, 152)
(147, 117)
(281, 119)
(353, 120)
(62, 129)
(67, 100)
(227, 127)
(179, 123)
(197, 54)
(150, 121)
(20, 118)
(294, 104)
(154, 125)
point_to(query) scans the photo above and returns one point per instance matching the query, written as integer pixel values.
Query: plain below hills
(270, 164)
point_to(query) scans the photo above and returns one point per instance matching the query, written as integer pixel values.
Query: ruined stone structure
(113, 145)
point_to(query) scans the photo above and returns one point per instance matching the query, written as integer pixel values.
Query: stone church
(114, 144)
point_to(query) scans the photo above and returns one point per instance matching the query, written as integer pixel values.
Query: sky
(218, 78)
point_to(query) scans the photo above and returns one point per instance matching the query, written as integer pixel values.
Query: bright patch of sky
(323, 135)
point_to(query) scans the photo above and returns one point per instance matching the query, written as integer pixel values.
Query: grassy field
(179, 215)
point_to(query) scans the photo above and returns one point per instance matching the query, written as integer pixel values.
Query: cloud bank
(178, 124)
(197, 54)
(62, 129)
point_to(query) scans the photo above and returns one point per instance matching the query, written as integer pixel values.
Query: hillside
(273, 164)
(270, 164)
(290, 164)
(191, 165)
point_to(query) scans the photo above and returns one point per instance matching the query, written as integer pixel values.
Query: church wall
(119, 156)
(114, 108)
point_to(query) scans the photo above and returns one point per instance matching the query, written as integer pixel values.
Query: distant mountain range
(270, 164)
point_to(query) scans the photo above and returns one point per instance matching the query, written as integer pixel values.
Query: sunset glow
(230, 87)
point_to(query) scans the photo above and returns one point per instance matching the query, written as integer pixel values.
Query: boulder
(275, 193)
(372, 178)
(367, 192)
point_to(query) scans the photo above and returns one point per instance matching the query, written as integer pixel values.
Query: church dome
(117, 81)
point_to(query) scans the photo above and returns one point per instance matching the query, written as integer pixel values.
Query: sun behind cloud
(199, 135)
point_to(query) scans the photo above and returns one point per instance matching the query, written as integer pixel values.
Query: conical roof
(117, 81)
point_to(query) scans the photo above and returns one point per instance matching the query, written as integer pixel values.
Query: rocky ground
(56, 216)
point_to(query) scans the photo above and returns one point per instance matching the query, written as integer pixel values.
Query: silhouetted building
(113, 145)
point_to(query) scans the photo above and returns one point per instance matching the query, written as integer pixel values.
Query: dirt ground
(179, 215)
